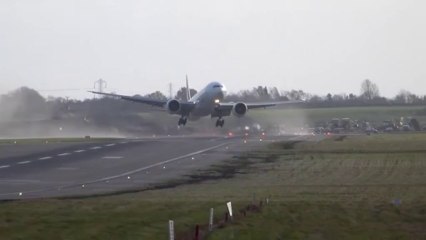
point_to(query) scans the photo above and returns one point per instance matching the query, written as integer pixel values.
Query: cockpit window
(217, 86)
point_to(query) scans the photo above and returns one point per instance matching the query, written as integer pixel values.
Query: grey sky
(138, 46)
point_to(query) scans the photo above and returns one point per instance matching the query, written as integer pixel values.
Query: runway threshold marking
(4, 166)
(156, 164)
(24, 162)
(44, 158)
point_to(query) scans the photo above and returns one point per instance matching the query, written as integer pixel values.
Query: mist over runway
(39, 170)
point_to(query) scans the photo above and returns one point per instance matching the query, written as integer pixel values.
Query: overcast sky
(139, 46)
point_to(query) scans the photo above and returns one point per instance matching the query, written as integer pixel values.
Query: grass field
(342, 187)
(312, 115)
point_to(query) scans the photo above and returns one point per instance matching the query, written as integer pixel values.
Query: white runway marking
(63, 154)
(44, 158)
(4, 166)
(94, 148)
(123, 142)
(112, 157)
(24, 162)
(110, 145)
(79, 151)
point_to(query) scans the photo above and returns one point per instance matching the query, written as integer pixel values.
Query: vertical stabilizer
(188, 91)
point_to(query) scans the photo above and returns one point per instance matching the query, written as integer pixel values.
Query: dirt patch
(286, 145)
(340, 138)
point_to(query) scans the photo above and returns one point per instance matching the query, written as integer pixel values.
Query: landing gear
(220, 122)
(182, 121)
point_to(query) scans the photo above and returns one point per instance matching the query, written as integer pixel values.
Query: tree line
(26, 101)
(369, 95)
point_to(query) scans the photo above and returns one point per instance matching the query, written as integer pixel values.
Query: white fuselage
(206, 100)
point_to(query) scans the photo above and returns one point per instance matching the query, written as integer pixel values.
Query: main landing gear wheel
(220, 122)
(182, 121)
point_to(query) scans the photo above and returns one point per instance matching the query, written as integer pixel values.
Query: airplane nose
(222, 93)
(223, 88)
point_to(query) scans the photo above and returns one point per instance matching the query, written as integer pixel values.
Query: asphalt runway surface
(41, 170)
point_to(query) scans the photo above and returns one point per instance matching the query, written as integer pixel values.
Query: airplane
(206, 102)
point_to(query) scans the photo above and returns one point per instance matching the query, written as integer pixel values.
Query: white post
(211, 219)
(171, 230)
(229, 205)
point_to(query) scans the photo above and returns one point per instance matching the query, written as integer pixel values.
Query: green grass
(312, 115)
(99, 218)
(337, 188)
(324, 220)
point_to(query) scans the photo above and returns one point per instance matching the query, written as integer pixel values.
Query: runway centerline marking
(44, 158)
(24, 162)
(4, 166)
(125, 174)
(110, 145)
(94, 148)
(79, 151)
(112, 157)
(63, 154)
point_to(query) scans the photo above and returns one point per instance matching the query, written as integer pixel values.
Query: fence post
(229, 205)
(197, 232)
(171, 230)
(211, 219)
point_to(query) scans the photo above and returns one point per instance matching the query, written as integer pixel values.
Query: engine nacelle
(173, 106)
(239, 109)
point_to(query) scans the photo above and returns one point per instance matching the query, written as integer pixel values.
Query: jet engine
(173, 106)
(239, 109)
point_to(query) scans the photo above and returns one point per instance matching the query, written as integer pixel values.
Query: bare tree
(23, 103)
(406, 97)
(157, 95)
(274, 93)
(369, 90)
(181, 94)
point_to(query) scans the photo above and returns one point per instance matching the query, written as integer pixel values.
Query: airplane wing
(186, 107)
(226, 108)
(149, 101)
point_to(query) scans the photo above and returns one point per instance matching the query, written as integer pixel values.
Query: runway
(41, 170)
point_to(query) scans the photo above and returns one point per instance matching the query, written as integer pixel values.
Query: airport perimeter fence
(203, 230)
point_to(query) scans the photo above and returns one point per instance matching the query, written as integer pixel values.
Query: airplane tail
(188, 91)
